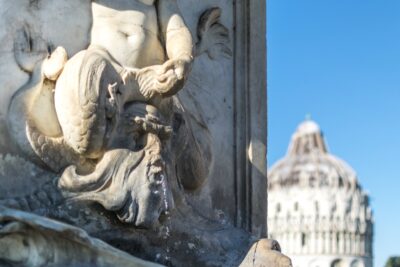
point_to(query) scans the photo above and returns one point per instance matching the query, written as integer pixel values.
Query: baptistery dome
(317, 209)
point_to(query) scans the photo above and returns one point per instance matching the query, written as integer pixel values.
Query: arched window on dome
(337, 241)
(337, 263)
(357, 263)
(341, 184)
(278, 207)
(296, 206)
(303, 240)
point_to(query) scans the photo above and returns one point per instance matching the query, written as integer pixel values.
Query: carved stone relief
(92, 104)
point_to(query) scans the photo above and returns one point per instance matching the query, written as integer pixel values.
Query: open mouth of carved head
(130, 183)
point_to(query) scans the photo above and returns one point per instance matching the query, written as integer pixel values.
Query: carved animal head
(130, 183)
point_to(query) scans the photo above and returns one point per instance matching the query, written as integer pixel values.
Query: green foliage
(393, 262)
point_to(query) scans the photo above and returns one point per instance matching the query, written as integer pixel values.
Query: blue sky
(339, 61)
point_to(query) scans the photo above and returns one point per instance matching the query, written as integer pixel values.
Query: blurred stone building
(317, 209)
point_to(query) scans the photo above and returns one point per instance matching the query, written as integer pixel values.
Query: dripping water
(167, 222)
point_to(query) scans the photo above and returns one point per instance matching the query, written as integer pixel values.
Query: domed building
(317, 209)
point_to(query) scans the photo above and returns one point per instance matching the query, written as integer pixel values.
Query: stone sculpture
(106, 122)
(109, 112)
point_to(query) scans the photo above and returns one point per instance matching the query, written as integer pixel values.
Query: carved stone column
(250, 116)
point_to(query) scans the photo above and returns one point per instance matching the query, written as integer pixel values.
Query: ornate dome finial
(307, 139)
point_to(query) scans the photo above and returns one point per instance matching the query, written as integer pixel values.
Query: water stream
(166, 227)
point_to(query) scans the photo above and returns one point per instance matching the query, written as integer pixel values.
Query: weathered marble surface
(265, 253)
(135, 121)
(30, 240)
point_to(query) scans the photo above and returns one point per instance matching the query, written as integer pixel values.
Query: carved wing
(213, 36)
